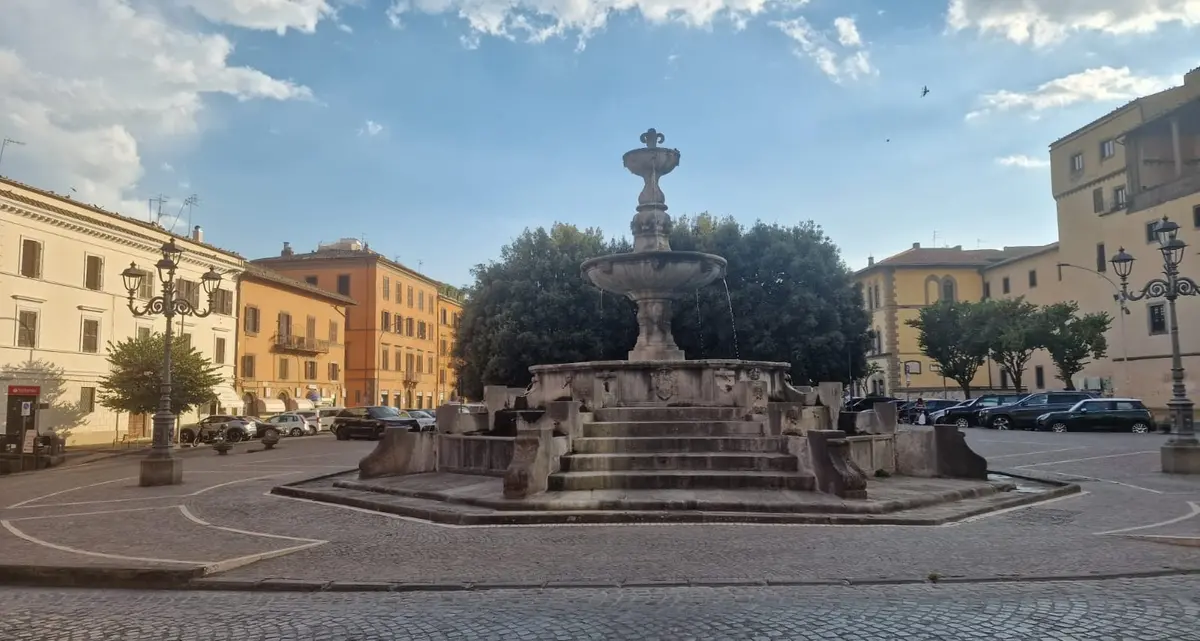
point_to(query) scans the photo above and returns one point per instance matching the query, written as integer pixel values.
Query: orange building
(449, 316)
(290, 346)
(393, 336)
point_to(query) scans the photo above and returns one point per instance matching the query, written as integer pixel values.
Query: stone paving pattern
(1141, 610)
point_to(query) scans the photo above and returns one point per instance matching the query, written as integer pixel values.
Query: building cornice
(1089, 184)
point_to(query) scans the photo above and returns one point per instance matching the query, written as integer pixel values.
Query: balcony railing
(1185, 185)
(293, 343)
(412, 378)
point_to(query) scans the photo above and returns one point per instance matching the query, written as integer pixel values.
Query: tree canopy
(135, 372)
(1072, 339)
(1014, 330)
(949, 333)
(791, 297)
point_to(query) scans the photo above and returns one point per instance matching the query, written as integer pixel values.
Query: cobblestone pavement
(1157, 609)
(98, 511)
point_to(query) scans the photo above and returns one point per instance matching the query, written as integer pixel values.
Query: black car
(966, 414)
(868, 402)
(369, 422)
(1100, 414)
(907, 413)
(1023, 414)
(218, 426)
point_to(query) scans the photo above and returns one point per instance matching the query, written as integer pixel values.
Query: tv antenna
(159, 200)
(6, 142)
(935, 238)
(420, 264)
(190, 202)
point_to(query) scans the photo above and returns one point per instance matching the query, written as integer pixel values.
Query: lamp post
(1181, 454)
(1123, 311)
(160, 467)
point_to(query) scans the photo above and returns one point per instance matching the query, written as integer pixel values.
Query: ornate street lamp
(160, 467)
(1181, 454)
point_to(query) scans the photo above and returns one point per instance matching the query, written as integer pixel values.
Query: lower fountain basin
(654, 273)
(675, 383)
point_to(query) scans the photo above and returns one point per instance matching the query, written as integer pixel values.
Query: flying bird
(924, 91)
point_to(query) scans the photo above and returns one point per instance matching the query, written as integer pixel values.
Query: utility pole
(5, 143)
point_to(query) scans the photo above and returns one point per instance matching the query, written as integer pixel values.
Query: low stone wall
(873, 452)
(486, 455)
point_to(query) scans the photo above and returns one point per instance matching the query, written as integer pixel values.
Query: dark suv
(370, 422)
(1023, 414)
(966, 414)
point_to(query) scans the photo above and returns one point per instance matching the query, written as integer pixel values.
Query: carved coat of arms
(663, 381)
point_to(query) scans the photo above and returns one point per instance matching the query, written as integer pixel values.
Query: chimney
(287, 249)
(197, 234)
(870, 261)
(916, 245)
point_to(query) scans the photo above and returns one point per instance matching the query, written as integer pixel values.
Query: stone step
(619, 414)
(653, 444)
(679, 480)
(619, 429)
(725, 462)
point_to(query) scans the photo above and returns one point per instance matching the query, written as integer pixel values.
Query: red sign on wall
(24, 390)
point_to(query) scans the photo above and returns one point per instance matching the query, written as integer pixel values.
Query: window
(1119, 197)
(189, 290)
(283, 368)
(1077, 163)
(1098, 200)
(383, 357)
(987, 290)
(444, 350)
(333, 371)
(399, 292)
(1158, 319)
(1151, 229)
(222, 302)
(1005, 286)
(385, 320)
(442, 377)
(1101, 258)
(1108, 148)
(1033, 278)
(343, 284)
(219, 351)
(429, 365)
(408, 363)
(27, 328)
(1003, 379)
(250, 320)
(396, 364)
(421, 301)
(878, 299)
(383, 398)
(1036, 399)
(145, 285)
(421, 329)
(310, 370)
(333, 332)
(398, 321)
(1128, 406)
(87, 400)
(93, 273)
(143, 333)
(410, 297)
(387, 288)
(186, 341)
(31, 258)
(310, 328)
(283, 324)
(90, 341)
(1039, 377)
(311, 280)
(948, 290)
(409, 324)
(248, 366)
(444, 321)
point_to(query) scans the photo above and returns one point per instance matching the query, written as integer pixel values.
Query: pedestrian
(919, 410)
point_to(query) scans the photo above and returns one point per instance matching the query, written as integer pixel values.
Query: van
(325, 416)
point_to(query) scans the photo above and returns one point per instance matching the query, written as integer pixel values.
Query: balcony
(301, 344)
(412, 378)
(1185, 185)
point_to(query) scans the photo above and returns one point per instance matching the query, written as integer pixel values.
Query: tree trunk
(966, 389)
(1016, 379)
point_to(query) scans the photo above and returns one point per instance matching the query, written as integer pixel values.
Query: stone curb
(98, 576)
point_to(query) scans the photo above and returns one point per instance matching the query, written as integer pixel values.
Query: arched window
(949, 292)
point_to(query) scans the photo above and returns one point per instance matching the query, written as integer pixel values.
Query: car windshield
(420, 413)
(383, 412)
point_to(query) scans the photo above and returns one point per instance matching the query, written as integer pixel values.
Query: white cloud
(370, 128)
(86, 82)
(267, 15)
(1102, 84)
(167, 167)
(845, 60)
(345, 28)
(1023, 161)
(1044, 22)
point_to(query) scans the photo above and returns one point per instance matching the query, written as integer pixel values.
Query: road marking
(199, 521)
(980, 517)
(96, 513)
(102, 555)
(1194, 511)
(23, 505)
(72, 489)
(1089, 458)
(1095, 478)
(984, 440)
(1065, 449)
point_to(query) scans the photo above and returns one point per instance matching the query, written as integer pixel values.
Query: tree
(135, 372)
(1071, 340)
(1014, 329)
(533, 307)
(61, 415)
(949, 333)
(788, 295)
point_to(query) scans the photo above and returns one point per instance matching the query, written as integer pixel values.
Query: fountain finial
(652, 138)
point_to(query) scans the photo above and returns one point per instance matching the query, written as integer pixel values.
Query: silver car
(291, 424)
(425, 419)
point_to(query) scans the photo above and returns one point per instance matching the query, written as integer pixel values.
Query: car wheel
(296, 432)
(1140, 428)
(962, 423)
(187, 437)
(234, 436)
(341, 434)
(1058, 427)
(1001, 423)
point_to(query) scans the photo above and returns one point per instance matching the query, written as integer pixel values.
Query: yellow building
(894, 291)
(449, 317)
(392, 336)
(290, 349)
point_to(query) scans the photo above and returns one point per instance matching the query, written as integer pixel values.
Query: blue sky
(438, 141)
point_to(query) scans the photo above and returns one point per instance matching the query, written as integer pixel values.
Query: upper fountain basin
(651, 273)
(648, 161)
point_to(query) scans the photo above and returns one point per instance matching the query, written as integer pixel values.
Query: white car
(425, 418)
(291, 424)
(326, 415)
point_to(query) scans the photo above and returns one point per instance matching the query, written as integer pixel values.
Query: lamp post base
(167, 470)
(1181, 458)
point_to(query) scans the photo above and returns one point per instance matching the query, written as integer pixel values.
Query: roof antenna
(420, 263)
(190, 202)
(160, 199)
(935, 238)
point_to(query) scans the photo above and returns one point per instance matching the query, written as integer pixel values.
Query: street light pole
(161, 467)
(1181, 454)
(1123, 311)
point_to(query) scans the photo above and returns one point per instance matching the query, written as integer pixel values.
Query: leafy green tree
(949, 334)
(135, 370)
(1014, 329)
(788, 294)
(1072, 339)
(533, 306)
(62, 415)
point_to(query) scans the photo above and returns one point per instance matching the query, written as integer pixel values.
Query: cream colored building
(1036, 277)
(62, 300)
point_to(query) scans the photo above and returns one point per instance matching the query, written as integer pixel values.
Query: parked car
(370, 422)
(291, 424)
(1023, 414)
(1100, 414)
(425, 419)
(254, 426)
(907, 413)
(860, 404)
(325, 416)
(313, 418)
(966, 414)
(210, 428)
